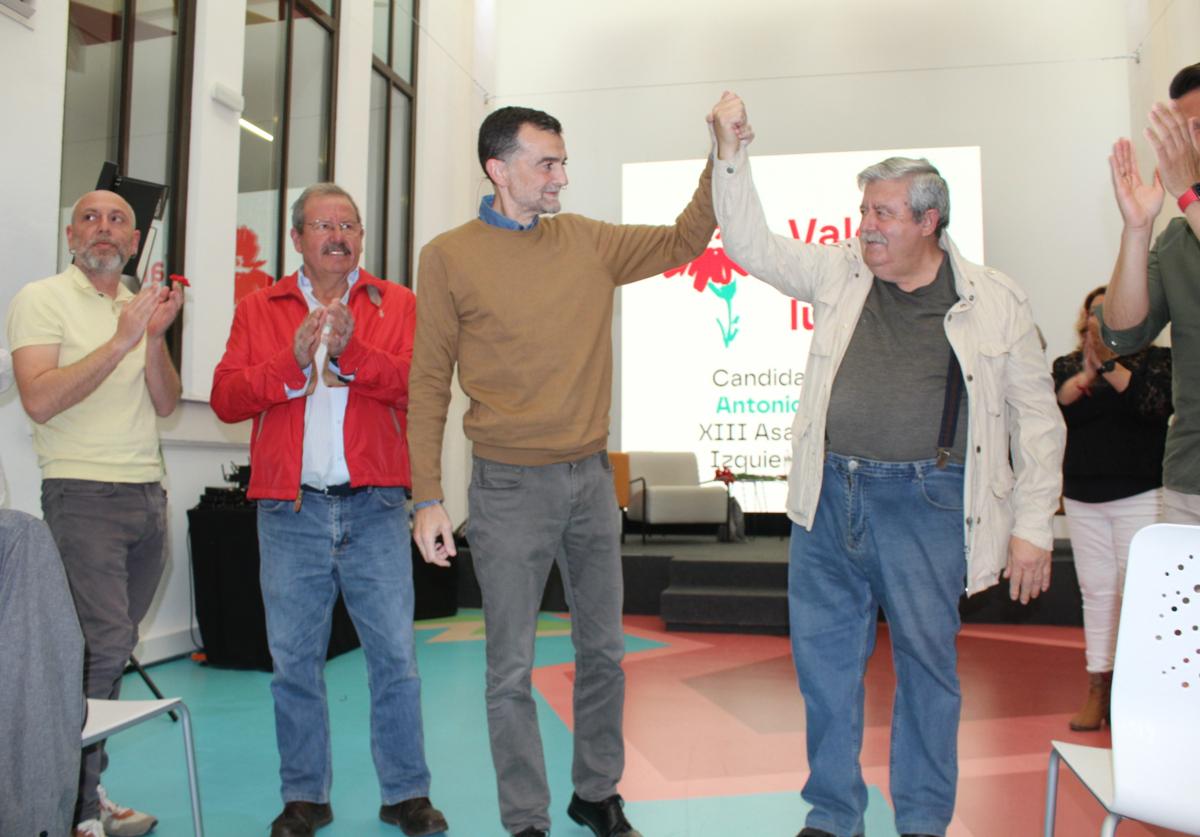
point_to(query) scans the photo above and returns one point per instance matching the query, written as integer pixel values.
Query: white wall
(1041, 87)
(453, 72)
(32, 62)
(1154, 34)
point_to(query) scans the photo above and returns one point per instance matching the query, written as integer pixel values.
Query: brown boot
(1095, 709)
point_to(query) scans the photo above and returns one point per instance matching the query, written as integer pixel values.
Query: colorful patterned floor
(714, 730)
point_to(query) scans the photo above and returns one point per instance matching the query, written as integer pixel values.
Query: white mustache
(336, 250)
(872, 237)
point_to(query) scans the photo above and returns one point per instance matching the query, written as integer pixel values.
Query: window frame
(175, 246)
(383, 66)
(329, 22)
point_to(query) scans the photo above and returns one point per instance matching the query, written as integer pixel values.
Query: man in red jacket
(320, 361)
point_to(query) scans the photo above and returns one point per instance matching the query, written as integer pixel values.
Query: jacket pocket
(991, 376)
(1002, 483)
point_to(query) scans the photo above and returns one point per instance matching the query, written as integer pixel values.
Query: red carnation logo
(714, 270)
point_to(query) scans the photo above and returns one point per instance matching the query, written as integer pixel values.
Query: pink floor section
(720, 715)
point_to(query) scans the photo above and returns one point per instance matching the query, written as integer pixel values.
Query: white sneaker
(89, 828)
(120, 821)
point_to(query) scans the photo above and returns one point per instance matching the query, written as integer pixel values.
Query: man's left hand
(341, 323)
(1028, 570)
(169, 303)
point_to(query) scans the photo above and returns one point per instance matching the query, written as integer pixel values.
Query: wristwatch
(1108, 365)
(1188, 196)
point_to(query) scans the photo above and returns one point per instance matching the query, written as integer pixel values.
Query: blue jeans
(361, 545)
(890, 535)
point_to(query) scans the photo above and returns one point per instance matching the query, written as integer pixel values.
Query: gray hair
(926, 187)
(319, 190)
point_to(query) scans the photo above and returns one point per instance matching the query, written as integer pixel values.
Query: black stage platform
(699, 584)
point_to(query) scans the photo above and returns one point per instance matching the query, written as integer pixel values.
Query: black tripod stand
(136, 666)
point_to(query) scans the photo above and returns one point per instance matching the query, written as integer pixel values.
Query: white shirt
(324, 458)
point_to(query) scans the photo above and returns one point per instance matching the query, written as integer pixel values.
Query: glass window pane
(324, 5)
(152, 118)
(260, 148)
(152, 121)
(376, 185)
(91, 109)
(308, 119)
(379, 33)
(399, 178)
(402, 39)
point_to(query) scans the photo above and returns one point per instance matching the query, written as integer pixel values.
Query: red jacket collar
(290, 285)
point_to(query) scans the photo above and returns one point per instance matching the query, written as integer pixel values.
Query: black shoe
(416, 817)
(301, 819)
(532, 832)
(605, 818)
(814, 832)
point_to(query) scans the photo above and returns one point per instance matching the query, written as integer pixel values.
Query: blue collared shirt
(489, 215)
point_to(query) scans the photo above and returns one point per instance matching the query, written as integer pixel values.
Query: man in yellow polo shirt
(93, 371)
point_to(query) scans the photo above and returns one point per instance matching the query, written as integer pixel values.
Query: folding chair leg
(193, 783)
(1051, 792)
(1110, 824)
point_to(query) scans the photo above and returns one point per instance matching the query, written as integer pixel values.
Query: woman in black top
(1116, 410)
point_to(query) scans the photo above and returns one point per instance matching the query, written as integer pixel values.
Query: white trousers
(1180, 508)
(1100, 536)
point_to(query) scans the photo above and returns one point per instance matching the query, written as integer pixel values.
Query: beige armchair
(665, 488)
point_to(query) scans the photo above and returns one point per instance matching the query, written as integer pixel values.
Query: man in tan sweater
(523, 305)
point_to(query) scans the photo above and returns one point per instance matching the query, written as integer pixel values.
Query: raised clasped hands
(730, 125)
(170, 301)
(311, 332)
(341, 326)
(149, 313)
(1095, 352)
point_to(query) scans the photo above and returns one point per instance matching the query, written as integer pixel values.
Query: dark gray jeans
(112, 537)
(523, 518)
(41, 672)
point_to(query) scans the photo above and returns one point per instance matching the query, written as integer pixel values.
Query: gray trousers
(522, 519)
(41, 674)
(112, 537)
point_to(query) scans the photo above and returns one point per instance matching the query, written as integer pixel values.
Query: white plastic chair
(108, 717)
(1151, 773)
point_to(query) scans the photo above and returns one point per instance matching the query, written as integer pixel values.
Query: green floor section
(238, 764)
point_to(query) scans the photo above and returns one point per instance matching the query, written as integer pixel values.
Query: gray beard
(101, 264)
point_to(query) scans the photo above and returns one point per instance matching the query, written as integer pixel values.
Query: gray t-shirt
(887, 398)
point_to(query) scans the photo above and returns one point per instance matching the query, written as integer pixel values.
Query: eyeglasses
(321, 227)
